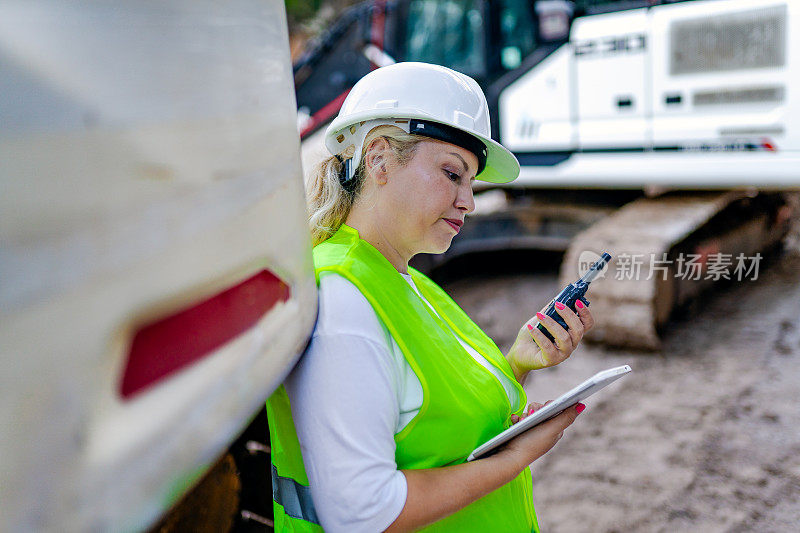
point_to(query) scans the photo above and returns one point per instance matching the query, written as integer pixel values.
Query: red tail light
(161, 348)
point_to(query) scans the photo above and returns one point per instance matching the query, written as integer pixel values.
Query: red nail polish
(580, 407)
(560, 306)
(540, 316)
(530, 327)
(531, 411)
(579, 304)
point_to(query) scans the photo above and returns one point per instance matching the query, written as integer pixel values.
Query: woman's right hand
(535, 442)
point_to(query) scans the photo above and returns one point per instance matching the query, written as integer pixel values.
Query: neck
(374, 233)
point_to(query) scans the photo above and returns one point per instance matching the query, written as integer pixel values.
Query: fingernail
(530, 327)
(560, 306)
(540, 316)
(531, 411)
(579, 304)
(580, 407)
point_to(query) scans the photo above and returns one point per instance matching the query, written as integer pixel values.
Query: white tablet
(570, 398)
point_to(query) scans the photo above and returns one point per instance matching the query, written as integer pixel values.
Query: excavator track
(649, 236)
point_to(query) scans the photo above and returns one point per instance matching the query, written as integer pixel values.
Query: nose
(465, 201)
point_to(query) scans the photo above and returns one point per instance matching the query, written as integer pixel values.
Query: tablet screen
(569, 398)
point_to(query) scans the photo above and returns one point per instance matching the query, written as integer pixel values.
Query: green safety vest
(463, 405)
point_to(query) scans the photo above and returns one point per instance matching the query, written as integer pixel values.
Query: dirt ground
(703, 436)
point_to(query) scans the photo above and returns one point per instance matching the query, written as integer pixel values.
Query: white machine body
(690, 95)
(149, 168)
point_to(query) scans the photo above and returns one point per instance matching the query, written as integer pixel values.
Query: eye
(452, 175)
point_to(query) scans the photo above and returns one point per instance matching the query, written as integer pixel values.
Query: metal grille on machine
(749, 39)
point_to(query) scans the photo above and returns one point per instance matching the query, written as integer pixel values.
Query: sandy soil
(702, 436)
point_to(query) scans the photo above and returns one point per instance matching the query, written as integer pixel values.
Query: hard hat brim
(501, 165)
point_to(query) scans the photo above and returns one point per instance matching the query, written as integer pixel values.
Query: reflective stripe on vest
(295, 498)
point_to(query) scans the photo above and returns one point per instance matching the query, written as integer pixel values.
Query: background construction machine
(661, 131)
(156, 281)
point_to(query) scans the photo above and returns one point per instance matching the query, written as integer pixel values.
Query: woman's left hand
(532, 408)
(533, 350)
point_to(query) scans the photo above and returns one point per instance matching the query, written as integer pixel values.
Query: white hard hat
(423, 99)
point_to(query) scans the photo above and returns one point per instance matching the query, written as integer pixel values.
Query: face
(426, 200)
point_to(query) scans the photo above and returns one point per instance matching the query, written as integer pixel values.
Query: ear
(376, 157)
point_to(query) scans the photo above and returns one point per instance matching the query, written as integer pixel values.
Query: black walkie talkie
(574, 292)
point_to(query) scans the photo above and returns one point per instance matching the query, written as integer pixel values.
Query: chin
(441, 246)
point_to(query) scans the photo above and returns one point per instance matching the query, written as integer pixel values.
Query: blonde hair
(328, 202)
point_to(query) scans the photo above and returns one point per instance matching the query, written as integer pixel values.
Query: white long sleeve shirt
(351, 392)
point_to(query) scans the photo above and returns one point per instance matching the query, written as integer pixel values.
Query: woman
(398, 385)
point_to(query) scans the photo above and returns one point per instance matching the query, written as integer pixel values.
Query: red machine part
(161, 348)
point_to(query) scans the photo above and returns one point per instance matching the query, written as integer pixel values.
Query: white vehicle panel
(674, 170)
(707, 91)
(536, 111)
(611, 60)
(150, 161)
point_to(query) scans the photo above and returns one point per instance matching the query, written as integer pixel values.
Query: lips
(454, 223)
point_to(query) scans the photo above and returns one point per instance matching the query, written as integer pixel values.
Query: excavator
(664, 132)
